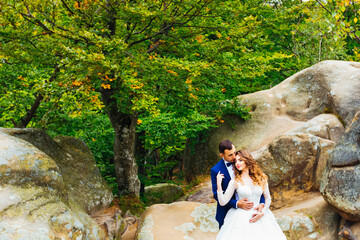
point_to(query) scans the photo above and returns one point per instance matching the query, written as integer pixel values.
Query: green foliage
(169, 132)
(177, 66)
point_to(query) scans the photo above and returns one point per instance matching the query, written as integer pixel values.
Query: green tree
(108, 47)
(166, 67)
(346, 16)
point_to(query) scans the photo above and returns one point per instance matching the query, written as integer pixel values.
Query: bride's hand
(256, 216)
(219, 178)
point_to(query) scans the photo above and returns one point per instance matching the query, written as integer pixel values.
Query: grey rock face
(300, 105)
(294, 163)
(48, 188)
(82, 179)
(340, 184)
(327, 87)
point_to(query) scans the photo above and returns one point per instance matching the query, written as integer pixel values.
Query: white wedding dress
(236, 224)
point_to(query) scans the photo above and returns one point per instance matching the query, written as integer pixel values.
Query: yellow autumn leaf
(137, 86)
(193, 96)
(105, 86)
(172, 72)
(199, 38)
(76, 83)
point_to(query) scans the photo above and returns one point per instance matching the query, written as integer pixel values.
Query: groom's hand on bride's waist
(244, 204)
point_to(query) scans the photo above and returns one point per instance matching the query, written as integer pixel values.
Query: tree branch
(67, 7)
(148, 25)
(204, 27)
(36, 22)
(323, 6)
(131, 33)
(158, 33)
(30, 114)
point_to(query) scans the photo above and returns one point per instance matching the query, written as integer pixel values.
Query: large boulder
(327, 87)
(82, 180)
(316, 101)
(48, 188)
(312, 219)
(340, 185)
(294, 163)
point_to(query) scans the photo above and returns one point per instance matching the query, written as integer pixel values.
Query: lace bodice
(246, 189)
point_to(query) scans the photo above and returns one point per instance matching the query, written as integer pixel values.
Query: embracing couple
(243, 198)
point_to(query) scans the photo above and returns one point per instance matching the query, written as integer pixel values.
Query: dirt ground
(130, 232)
(201, 193)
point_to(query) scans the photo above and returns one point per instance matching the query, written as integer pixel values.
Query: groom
(225, 166)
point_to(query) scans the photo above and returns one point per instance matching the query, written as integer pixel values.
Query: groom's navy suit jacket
(221, 211)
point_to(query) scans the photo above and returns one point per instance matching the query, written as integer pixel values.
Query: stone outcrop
(312, 219)
(340, 185)
(82, 179)
(327, 87)
(313, 105)
(294, 163)
(293, 130)
(48, 189)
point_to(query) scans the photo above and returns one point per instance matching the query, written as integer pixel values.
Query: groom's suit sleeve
(232, 202)
(262, 199)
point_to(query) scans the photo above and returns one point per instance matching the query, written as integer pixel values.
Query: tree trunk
(124, 147)
(31, 113)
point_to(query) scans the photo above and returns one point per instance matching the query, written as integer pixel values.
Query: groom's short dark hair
(225, 144)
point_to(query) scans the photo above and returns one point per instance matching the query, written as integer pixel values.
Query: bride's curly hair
(255, 172)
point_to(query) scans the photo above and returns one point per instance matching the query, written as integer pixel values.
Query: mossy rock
(163, 193)
(48, 189)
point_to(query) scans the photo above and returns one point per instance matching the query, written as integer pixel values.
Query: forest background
(139, 81)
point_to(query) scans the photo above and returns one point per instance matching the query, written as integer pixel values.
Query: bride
(249, 182)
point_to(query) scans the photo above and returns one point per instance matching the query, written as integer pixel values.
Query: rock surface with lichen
(340, 185)
(294, 126)
(48, 189)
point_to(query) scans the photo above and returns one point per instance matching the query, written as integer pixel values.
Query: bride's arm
(260, 213)
(224, 198)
